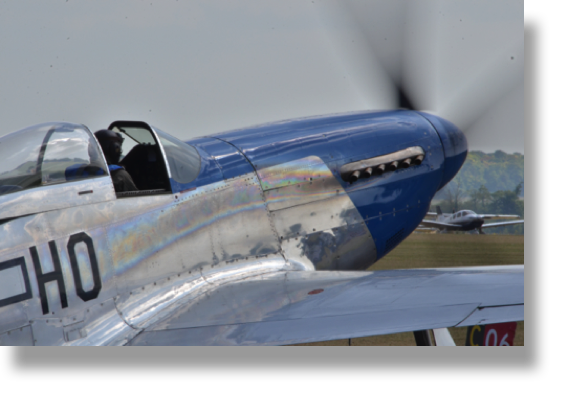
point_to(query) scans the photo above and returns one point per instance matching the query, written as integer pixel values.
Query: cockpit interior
(142, 158)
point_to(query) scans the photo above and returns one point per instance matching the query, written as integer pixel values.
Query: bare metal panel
(12, 282)
(24, 232)
(99, 324)
(64, 222)
(318, 224)
(298, 182)
(58, 223)
(17, 337)
(326, 234)
(47, 332)
(13, 316)
(292, 173)
(162, 255)
(150, 302)
(57, 196)
(102, 326)
(16, 288)
(304, 193)
(221, 222)
(333, 249)
(317, 216)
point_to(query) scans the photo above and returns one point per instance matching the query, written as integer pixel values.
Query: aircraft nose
(454, 145)
(478, 220)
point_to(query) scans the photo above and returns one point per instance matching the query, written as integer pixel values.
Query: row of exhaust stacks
(378, 165)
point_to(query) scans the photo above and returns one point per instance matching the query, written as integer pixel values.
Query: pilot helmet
(110, 142)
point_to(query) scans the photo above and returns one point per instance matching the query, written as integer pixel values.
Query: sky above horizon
(201, 67)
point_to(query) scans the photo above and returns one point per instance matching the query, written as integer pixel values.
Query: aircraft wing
(496, 216)
(426, 230)
(286, 307)
(522, 221)
(441, 225)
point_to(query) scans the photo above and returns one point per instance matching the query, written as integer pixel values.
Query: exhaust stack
(378, 165)
(367, 173)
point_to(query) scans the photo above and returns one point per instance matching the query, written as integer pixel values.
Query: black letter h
(56, 275)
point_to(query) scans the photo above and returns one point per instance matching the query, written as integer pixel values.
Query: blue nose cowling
(454, 145)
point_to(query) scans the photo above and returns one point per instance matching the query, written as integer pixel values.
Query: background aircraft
(466, 220)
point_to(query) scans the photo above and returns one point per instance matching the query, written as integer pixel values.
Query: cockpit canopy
(60, 165)
(48, 154)
(465, 213)
(59, 152)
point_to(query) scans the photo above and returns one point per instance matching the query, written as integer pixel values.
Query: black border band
(20, 262)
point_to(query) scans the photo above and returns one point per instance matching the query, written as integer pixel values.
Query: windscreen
(48, 154)
(183, 159)
(132, 136)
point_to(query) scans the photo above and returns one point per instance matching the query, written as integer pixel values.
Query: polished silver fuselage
(154, 253)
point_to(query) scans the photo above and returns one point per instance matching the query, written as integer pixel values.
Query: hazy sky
(199, 67)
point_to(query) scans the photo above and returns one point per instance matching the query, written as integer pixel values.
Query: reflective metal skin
(318, 225)
(293, 307)
(245, 252)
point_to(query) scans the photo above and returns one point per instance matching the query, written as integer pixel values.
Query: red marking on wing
(317, 291)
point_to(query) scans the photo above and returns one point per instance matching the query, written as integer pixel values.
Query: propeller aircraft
(466, 220)
(249, 237)
(258, 236)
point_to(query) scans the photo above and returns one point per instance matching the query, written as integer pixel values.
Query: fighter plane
(258, 236)
(466, 220)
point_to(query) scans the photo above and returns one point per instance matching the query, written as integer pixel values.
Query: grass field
(444, 250)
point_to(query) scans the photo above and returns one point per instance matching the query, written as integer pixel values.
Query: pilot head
(110, 142)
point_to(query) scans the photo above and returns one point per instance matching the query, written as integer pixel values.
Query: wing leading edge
(492, 225)
(287, 307)
(499, 216)
(442, 225)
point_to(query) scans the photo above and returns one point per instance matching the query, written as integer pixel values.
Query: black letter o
(73, 240)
